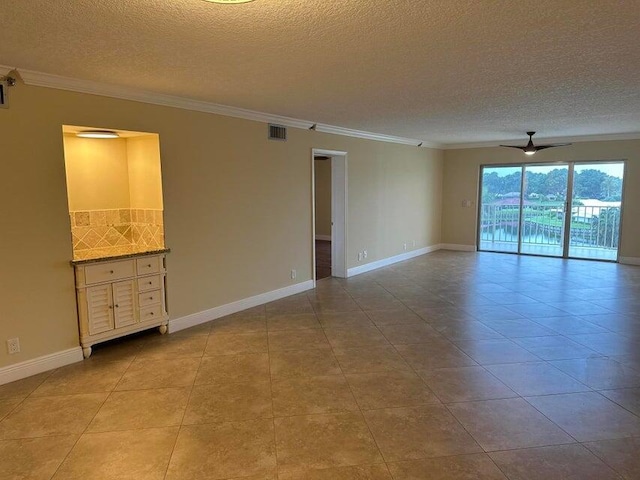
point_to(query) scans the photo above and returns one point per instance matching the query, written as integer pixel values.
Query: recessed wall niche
(114, 190)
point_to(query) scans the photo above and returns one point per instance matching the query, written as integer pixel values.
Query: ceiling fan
(530, 148)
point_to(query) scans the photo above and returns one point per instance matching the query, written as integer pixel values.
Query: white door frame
(338, 212)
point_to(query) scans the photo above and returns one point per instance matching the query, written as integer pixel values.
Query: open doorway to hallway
(322, 180)
(329, 187)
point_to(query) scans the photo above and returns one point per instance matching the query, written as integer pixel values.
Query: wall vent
(277, 132)
(3, 95)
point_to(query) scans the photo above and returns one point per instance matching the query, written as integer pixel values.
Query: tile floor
(449, 366)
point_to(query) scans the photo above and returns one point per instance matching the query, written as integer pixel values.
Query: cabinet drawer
(151, 313)
(149, 283)
(149, 298)
(105, 272)
(147, 265)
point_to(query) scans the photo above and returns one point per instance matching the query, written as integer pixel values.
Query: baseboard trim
(198, 318)
(25, 369)
(391, 260)
(629, 260)
(458, 247)
(323, 237)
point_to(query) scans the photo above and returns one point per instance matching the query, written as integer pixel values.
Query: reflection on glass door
(543, 209)
(595, 210)
(500, 209)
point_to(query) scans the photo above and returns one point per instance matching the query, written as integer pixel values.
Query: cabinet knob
(150, 283)
(150, 313)
(110, 306)
(149, 266)
(111, 272)
(117, 306)
(150, 298)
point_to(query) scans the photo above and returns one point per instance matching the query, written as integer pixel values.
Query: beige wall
(323, 196)
(145, 177)
(97, 173)
(461, 172)
(226, 190)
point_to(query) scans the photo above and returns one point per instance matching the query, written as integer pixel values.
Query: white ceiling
(442, 71)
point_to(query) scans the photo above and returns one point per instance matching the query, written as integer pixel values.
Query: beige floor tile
(600, 373)
(48, 416)
(379, 302)
(396, 316)
(255, 342)
(361, 472)
(244, 368)
(304, 363)
(83, 377)
(555, 347)
(465, 384)
(507, 424)
(370, 359)
(559, 461)
(623, 455)
(302, 339)
(390, 389)
(233, 402)
(419, 432)
(493, 351)
(24, 387)
(411, 334)
(335, 305)
(343, 319)
(477, 466)
(588, 416)
(311, 395)
(536, 378)
(323, 441)
(239, 323)
(128, 455)
(435, 354)
(33, 458)
(355, 336)
(224, 451)
(7, 405)
(628, 398)
(137, 409)
(143, 374)
(292, 322)
(174, 346)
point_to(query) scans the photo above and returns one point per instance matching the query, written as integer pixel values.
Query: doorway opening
(569, 210)
(329, 214)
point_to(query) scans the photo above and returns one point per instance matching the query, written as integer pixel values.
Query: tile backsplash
(100, 233)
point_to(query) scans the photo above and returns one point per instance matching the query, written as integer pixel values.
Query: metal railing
(591, 226)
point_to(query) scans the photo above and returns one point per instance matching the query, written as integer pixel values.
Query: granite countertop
(132, 254)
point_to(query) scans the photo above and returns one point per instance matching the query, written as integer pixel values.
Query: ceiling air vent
(277, 132)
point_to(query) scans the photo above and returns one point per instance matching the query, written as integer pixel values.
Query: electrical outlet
(293, 274)
(404, 246)
(359, 256)
(364, 254)
(13, 345)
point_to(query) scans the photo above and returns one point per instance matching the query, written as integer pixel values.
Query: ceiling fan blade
(551, 145)
(513, 146)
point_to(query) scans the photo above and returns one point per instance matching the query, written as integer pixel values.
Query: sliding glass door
(596, 205)
(562, 210)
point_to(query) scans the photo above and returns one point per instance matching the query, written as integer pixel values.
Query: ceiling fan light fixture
(531, 149)
(529, 152)
(97, 134)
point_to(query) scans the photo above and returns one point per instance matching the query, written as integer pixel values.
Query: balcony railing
(591, 226)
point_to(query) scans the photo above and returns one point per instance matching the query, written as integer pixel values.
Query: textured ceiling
(445, 71)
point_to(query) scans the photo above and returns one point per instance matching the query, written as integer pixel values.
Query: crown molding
(4, 70)
(542, 140)
(40, 79)
(347, 132)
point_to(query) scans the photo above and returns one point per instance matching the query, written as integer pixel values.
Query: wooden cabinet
(118, 297)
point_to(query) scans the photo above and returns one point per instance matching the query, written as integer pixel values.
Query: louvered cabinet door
(124, 303)
(100, 309)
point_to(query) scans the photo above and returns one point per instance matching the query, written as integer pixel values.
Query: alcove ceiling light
(97, 134)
